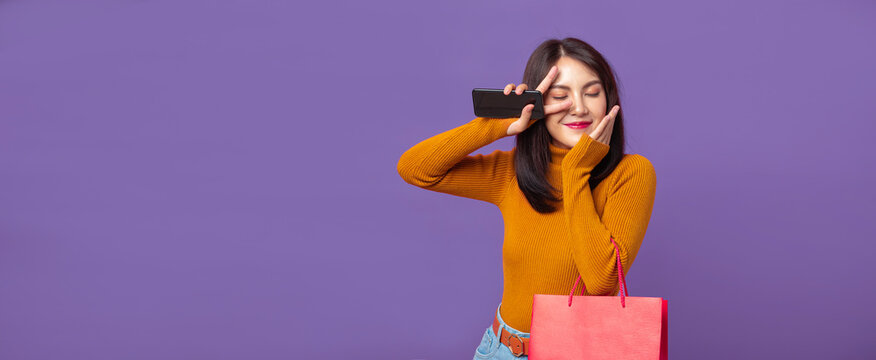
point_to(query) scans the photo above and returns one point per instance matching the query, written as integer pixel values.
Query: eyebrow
(564, 87)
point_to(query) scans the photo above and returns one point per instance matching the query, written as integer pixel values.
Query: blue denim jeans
(490, 346)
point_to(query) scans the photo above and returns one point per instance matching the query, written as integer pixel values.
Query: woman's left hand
(602, 133)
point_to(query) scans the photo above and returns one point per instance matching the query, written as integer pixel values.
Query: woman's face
(578, 82)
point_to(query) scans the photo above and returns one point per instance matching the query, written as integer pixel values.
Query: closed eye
(563, 97)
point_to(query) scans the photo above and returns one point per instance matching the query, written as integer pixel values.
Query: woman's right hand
(524, 122)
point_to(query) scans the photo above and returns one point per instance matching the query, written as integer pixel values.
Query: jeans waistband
(506, 326)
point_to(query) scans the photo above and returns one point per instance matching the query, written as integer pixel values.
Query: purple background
(217, 180)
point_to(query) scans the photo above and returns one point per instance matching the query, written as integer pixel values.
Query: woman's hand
(602, 133)
(524, 122)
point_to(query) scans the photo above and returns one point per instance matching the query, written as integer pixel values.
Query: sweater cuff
(497, 127)
(587, 153)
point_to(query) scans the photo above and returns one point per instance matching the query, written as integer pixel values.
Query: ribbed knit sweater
(543, 253)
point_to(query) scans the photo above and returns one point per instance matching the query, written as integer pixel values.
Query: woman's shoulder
(502, 156)
(502, 161)
(635, 165)
(635, 161)
(505, 155)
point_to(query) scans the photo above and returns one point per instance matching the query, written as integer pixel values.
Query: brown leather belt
(519, 346)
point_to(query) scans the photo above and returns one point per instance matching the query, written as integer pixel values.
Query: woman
(565, 190)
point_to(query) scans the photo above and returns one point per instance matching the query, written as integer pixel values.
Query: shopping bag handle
(620, 279)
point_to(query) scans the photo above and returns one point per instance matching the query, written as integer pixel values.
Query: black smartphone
(493, 103)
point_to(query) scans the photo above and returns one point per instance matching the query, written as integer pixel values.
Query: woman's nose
(578, 108)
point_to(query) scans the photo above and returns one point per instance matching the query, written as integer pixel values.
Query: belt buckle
(519, 345)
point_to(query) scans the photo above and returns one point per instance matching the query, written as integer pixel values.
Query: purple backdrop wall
(217, 180)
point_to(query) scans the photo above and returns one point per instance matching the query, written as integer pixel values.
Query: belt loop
(497, 313)
(498, 331)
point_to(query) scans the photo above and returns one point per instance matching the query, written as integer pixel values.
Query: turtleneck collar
(557, 154)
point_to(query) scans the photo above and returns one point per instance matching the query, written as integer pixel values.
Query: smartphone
(493, 103)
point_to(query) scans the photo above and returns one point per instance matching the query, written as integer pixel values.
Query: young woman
(564, 191)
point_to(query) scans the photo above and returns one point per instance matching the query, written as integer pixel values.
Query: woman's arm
(441, 162)
(625, 216)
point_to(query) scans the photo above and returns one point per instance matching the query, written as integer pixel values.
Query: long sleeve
(441, 163)
(625, 216)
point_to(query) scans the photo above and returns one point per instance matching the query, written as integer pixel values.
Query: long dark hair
(532, 154)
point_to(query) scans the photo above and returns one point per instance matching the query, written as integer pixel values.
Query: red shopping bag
(599, 327)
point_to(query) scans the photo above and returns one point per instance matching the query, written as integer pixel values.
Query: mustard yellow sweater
(543, 253)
